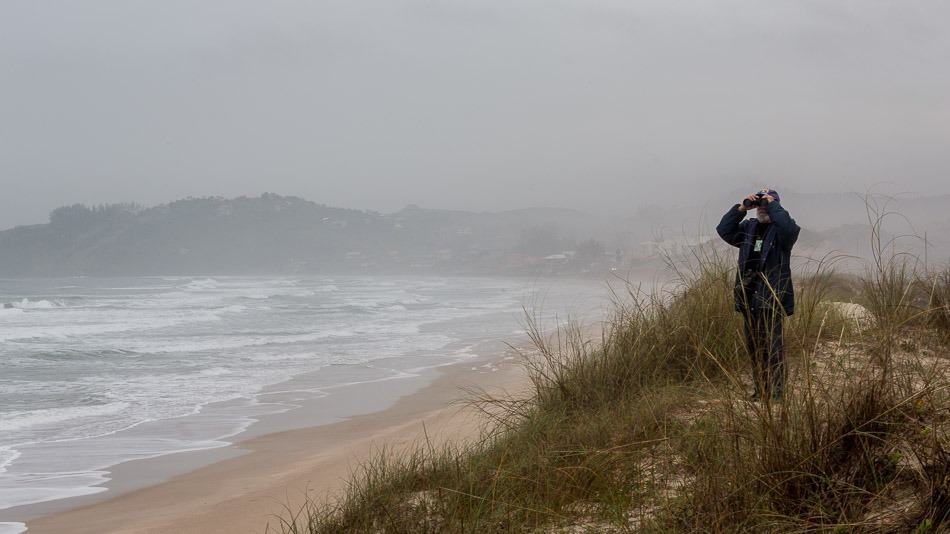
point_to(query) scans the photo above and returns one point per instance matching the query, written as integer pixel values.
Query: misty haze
(445, 266)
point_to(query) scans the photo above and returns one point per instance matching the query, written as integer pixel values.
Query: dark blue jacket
(774, 260)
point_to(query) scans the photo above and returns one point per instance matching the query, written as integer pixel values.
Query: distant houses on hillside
(274, 234)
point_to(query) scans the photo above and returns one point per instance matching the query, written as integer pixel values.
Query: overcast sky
(476, 104)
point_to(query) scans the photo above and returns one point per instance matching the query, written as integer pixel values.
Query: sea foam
(138, 367)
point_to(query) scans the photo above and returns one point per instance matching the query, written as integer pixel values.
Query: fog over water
(598, 105)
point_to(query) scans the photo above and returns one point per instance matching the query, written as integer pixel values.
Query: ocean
(98, 371)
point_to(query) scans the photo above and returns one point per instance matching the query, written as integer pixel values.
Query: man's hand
(768, 199)
(741, 202)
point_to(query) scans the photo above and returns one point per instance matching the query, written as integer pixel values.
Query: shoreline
(239, 487)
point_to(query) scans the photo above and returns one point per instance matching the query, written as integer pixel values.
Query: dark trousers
(763, 334)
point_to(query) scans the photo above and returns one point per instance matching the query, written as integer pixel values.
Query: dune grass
(647, 429)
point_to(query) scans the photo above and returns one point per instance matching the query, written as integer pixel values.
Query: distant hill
(279, 234)
(273, 234)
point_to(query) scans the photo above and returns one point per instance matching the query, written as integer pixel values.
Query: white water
(94, 372)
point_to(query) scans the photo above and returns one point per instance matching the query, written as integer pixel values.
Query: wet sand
(253, 482)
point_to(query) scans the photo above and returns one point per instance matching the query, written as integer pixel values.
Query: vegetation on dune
(647, 429)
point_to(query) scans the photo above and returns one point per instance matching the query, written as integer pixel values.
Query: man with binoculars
(763, 290)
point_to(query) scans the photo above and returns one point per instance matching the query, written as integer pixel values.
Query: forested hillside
(277, 234)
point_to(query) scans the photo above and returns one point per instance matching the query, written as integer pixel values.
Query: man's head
(762, 211)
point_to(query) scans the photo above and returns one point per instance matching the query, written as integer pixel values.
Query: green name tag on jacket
(758, 245)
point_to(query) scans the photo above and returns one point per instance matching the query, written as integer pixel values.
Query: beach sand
(259, 478)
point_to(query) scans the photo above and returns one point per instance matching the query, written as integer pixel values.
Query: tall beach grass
(647, 427)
